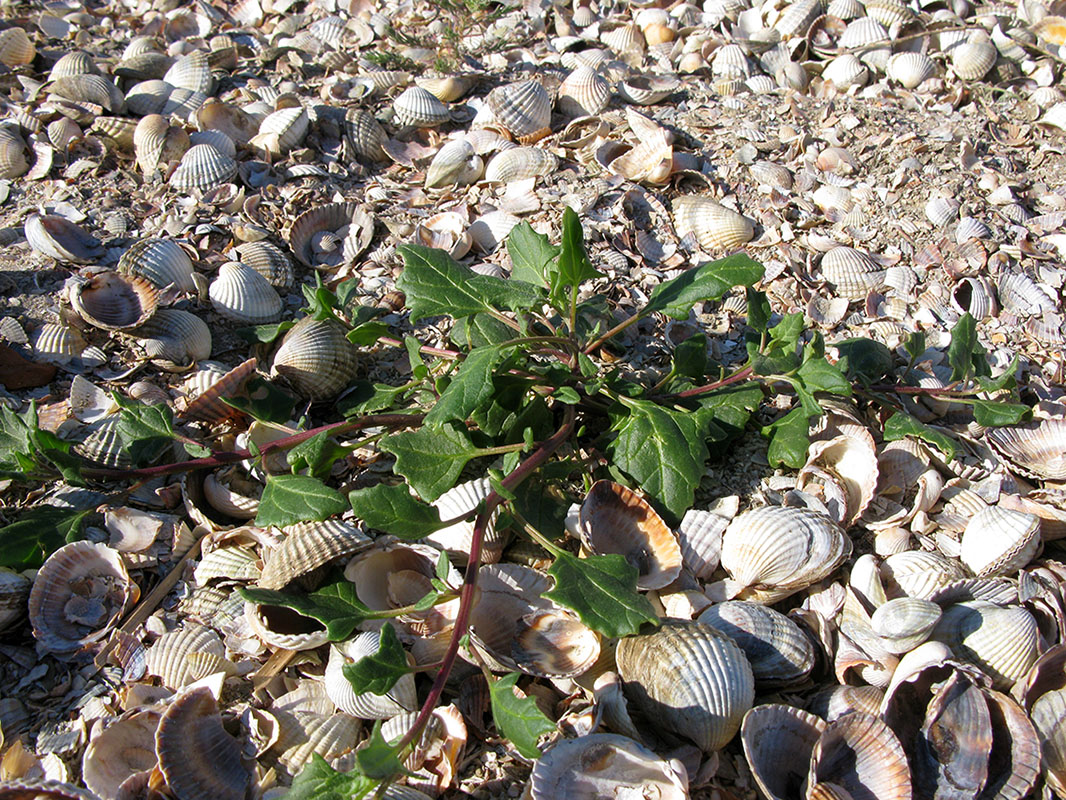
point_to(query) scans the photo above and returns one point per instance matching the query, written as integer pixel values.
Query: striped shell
(852, 273)
(700, 537)
(241, 294)
(87, 88)
(13, 162)
(779, 652)
(401, 697)
(455, 163)
(584, 93)
(523, 109)
(519, 163)
(16, 48)
(170, 656)
(365, 136)
(910, 69)
(862, 756)
(845, 71)
(192, 72)
(162, 262)
(447, 88)
(1037, 448)
(207, 405)
(202, 168)
(714, 226)
(57, 237)
(281, 627)
(972, 60)
(268, 260)
(998, 541)
(316, 359)
(57, 344)
(778, 741)
(174, 338)
(456, 539)
(331, 236)
(282, 131)
(1001, 642)
(918, 573)
(308, 546)
(647, 90)
(904, 623)
(76, 62)
(417, 108)
(113, 301)
(123, 748)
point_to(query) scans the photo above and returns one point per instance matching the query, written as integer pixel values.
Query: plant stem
(499, 450)
(932, 391)
(736, 377)
(429, 351)
(466, 594)
(534, 534)
(617, 329)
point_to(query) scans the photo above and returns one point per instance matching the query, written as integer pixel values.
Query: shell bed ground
(879, 152)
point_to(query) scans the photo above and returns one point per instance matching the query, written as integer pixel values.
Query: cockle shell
(364, 135)
(42, 789)
(846, 71)
(918, 573)
(331, 236)
(998, 541)
(61, 239)
(125, 747)
(842, 472)
(713, 225)
(16, 48)
(163, 262)
(455, 163)
(241, 294)
(523, 109)
(283, 628)
(268, 260)
(88, 88)
(446, 231)
(447, 88)
(490, 230)
(78, 595)
(518, 163)
(213, 383)
(942, 211)
(904, 623)
(779, 652)
(170, 657)
(13, 162)
(691, 679)
(156, 142)
(584, 93)
(627, 40)
(401, 697)
(192, 72)
(1036, 448)
(852, 273)
(215, 115)
(418, 108)
(149, 65)
(910, 70)
(1001, 642)
(281, 131)
(700, 538)
(647, 90)
(860, 754)
(456, 539)
(972, 60)
(113, 301)
(778, 741)
(308, 546)
(104, 445)
(316, 358)
(202, 168)
(303, 734)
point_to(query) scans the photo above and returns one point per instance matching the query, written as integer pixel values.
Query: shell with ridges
(281, 627)
(156, 142)
(779, 652)
(241, 294)
(123, 748)
(1002, 642)
(714, 226)
(207, 405)
(419, 109)
(778, 741)
(918, 573)
(163, 262)
(904, 623)
(911, 69)
(455, 163)
(307, 546)
(268, 260)
(13, 162)
(88, 88)
(113, 301)
(456, 539)
(523, 109)
(316, 358)
(861, 754)
(349, 223)
(202, 168)
(852, 273)
(518, 163)
(847, 462)
(364, 135)
(282, 131)
(61, 239)
(584, 93)
(1036, 448)
(972, 60)
(192, 72)
(401, 697)
(998, 541)
(16, 48)
(168, 658)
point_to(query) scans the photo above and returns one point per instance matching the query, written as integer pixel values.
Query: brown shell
(113, 301)
(208, 407)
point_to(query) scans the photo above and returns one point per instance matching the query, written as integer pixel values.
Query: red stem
(736, 377)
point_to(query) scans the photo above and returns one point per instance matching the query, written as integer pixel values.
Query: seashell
(282, 131)
(889, 12)
(57, 344)
(113, 301)
(303, 735)
(691, 679)
(59, 238)
(16, 49)
(998, 541)
(156, 142)
(972, 60)
(778, 741)
(401, 697)
(519, 163)
(904, 623)
(490, 230)
(647, 90)
(228, 502)
(775, 551)
(148, 97)
(206, 405)
(714, 226)
(1036, 448)
(63, 132)
(1020, 294)
(348, 226)
(365, 136)
(604, 765)
(456, 539)
(627, 41)
(216, 139)
(917, 573)
(861, 755)
(42, 789)
(651, 161)
(162, 262)
(1047, 714)
(797, 18)
(316, 359)
(123, 748)
(192, 72)
(14, 592)
(447, 88)
(215, 115)
(13, 163)
(852, 273)
(308, 546)
(910, 69)
(150, 65)
(446, 231)
(942, 211)
(202, 168)
(842, 472)
(455, 164)
(281, 627)
(523, 109)
(241, 294)
(584, 93)
(196, 755)
(1001, 642)
(700, 538)
(835, 701)
(76, 62)
(730, 63)
(384, 80)
(89, 88)
(170, 656)
(417, 108)
(615, 519)
(846, 71)
(77, 596)
(975, 297)
(268, 260)
(780, 653)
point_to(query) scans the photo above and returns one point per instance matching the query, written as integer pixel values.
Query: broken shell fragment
(604, 765)
(59, 238)
(331, 236)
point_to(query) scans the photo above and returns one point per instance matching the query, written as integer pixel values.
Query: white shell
(1002, 642)
(523, 109)
(713, 225)
(584, 92)
(998, 541)
(456, 539)
(241, 294)
(316, 359)
(163, 262)
(192, 72)
(455, 163)
(401, 697)
(911, 69)
(519, 163)
(419, 109)
(282, 130)
(852, 273)
(59, 238)
(972, 60)
(202, 168)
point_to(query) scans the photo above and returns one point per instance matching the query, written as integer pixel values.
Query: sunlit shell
(419, 109)
(1002, 642)
(148, 97)
(104, 445)
(627, 41)
(647, 90)
(447, 88)
(523, 109)
(713, 225)
(846, 71)
(170, 656)
(1036, 448)
(797, 18)
(778, 741)
(455, 163)
(62, 133)
(88, 88)
(207, 405)
(78, 595)
(911, 69)
(13, 162)
(332, 235)
(904, 623)
(974, 296)
(615, 519)
(650, 161)
(283, 628)
(316, 358)
(16, 48)
(918, 573)
(226, 118)
(700, 538)
(775, 551)
(364, 135)
(689, 679)
(192, 72)
(268, 260)
(149, 65)
(842, 472)
(59, 238)
(584, 92)
(852, 273)
(229, 500)
(401, 697)
(860, 754)
(1020, 294)
(241, 294)
(490, 230)
(113, 301)
(203, 168)
(282, 130)
(779, 652)
(163, 262)
(308, 546)
(998, 541)
(446, 231)
(126, 746)
(304, 734)
(942, 211)
(196, 755)
(518, 163)
(972, 60)
(76, 62)
(604, 765)
(456, 538)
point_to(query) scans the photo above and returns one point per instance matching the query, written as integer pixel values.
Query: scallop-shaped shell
(845, 71)
(852, 273)
(713, 225)
(148, 97)
(974, 296)
(62, 133)
(316, 358)
(1020, 294)
(972, 60)
(104, 445)
(490, 230)
(170, 656)
(192, 72)
(1002, 642)
(846, 463)
(1047, 714)
(365, 136)
(523, 109)
(778, 741)
(113, 301)
(904, 623)
(700, 538)
(519, 163)
(456, 539)
(455, 163)
(308, 546)
(779, 652)
(78, 595)
(207, 405)
(446, 231)
(144, 66)
(241, 294)
(59, 238)
(217, 139)
(910, 69)
(301, 735)
(163, 262)
(216, 115)
(401, 697)
(918, 573)
(16, 48)
(627, 40)
(76, 62)
(283, 628)
(347, 226)
(196, 755)
(775, 551)
(268, 260)
(647, 90)
(125, 747)
(797, 18)
(417, 108)
(393, 574)
(1037, 448)
(615, 519)
(156, 142)
(604, 765)
(584, 93)
(689, 679)
(13, 162)
(860, 754)
(88, 88)
(202, 168)
(282, 130)
(942, 211)
(447, 88)
(998, 541)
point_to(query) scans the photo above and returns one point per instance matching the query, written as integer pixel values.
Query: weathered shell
(62, 133)
(456, 539)
(972, 60)
(647, 90)
(1020, 294)
(690, 679)
(852, 273)
(113, 301)
(713, 225)
(14, 592)
(268, 260)
(998, 541)
(16, 48)
(860, 754)
(59, 238)
(42, 789)
(364, 135)
(1002, 642)
(1036, 448)
(700, 538)
(76, 62)
(196, 755)
(191, 71)
(170, 657)
(1047, 714)
(304, 734)
(778, 741)
(316, 358)
(518, 163)
(974, 296)
(401, 697)
(163, 262)
(627, 40)
(523, 109)
(846, 71)
(775, 551)
(616, 519)
(584, 92)
(918, 573)
(207, 405)
(104, 445)
(125, 747)
(797, 18)
(904, 623)
(842, 472)
(281, 627)
(942, 211)
(150, 65)
(216, 115)
(156, 142)
(650, 161)
(419, 109)
(446, 231)
(604, 765)
(88, 88)
(148, 97)
(282, 131)
(779, 652)
(13, 162)
(202, 168)
(455, 163)
(447, 88)
(308, 546)
(490, 230)
(331, 236)
(78, 595)
(241, 294)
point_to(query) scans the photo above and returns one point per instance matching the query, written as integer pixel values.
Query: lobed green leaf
(471, 387)
(995, 413)
(288, 499)
(602, 590)
(378, 672)
(518, 720)
(395, 510)
(788, 439)
(532, 255)
(319, 781)
(39, 532)
(431, 458)
(901, 425)
(335, 605)
(708, 281)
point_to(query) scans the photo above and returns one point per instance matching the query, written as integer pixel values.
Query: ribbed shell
(861, 754)
(518, 163)
(364, 135)
(87, 88)
(700, 537)
(584, 92)
(156, 142)
(59, 238)
(282, 130)
(168, 658)
(202, 168)
(447, 88)
(972, 60)
(14, 592)
(268, 260)
(911, 69)
(647, 90)
(401, 697)
(456, 539)
(714, 226)
(309, 545)
(241, 294)
(104, 445)
(13, 162)
(523, 109)
(144, 66)
(1037, 449)
(1002, 642)
(998, 541)
(196, 755)
(919, 573)
(76, 62)
(283, 628)
(113, 301)
(904, 623)
(16, 48)
(303, 734)
(163, 262)
(316, 358)
(125, 747)
(778, 651)
(689, 679)
(1049, 715)
(207, 406)
(419, 109)
(42, 789)
(348, 222)
(455, 163)
(192, 72)
(846, 70)
(852, 273)
(778, 741)
(797, 18)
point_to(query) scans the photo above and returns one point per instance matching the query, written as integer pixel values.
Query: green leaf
(146, 431)
(367, 333)
(378, 672)
(317, 455)
(863, 360)
(264, 334)
(758, 310)
(603, 592)
(788, 331)
(335, 605)
(471, 387)
(731, 407)
(807, 400)
(478, 331)
(820, 376)
(518, 720)
(662, 450)
(690, 357)
(900, 425)
(567, 395)
(264, 401)
(288, 499)
(1006, 380)
(915, 345)
(321, 302)
(994, 413)
(377, 758)
(708, 281)
(395, 510)
(573, 266)
(366, 398)
(435, 284)
(431, 458)
(963, 348)
(39, 532)
(788, 439)
(542, 507)
(532, 255)
(319, 781)
(14, 440)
